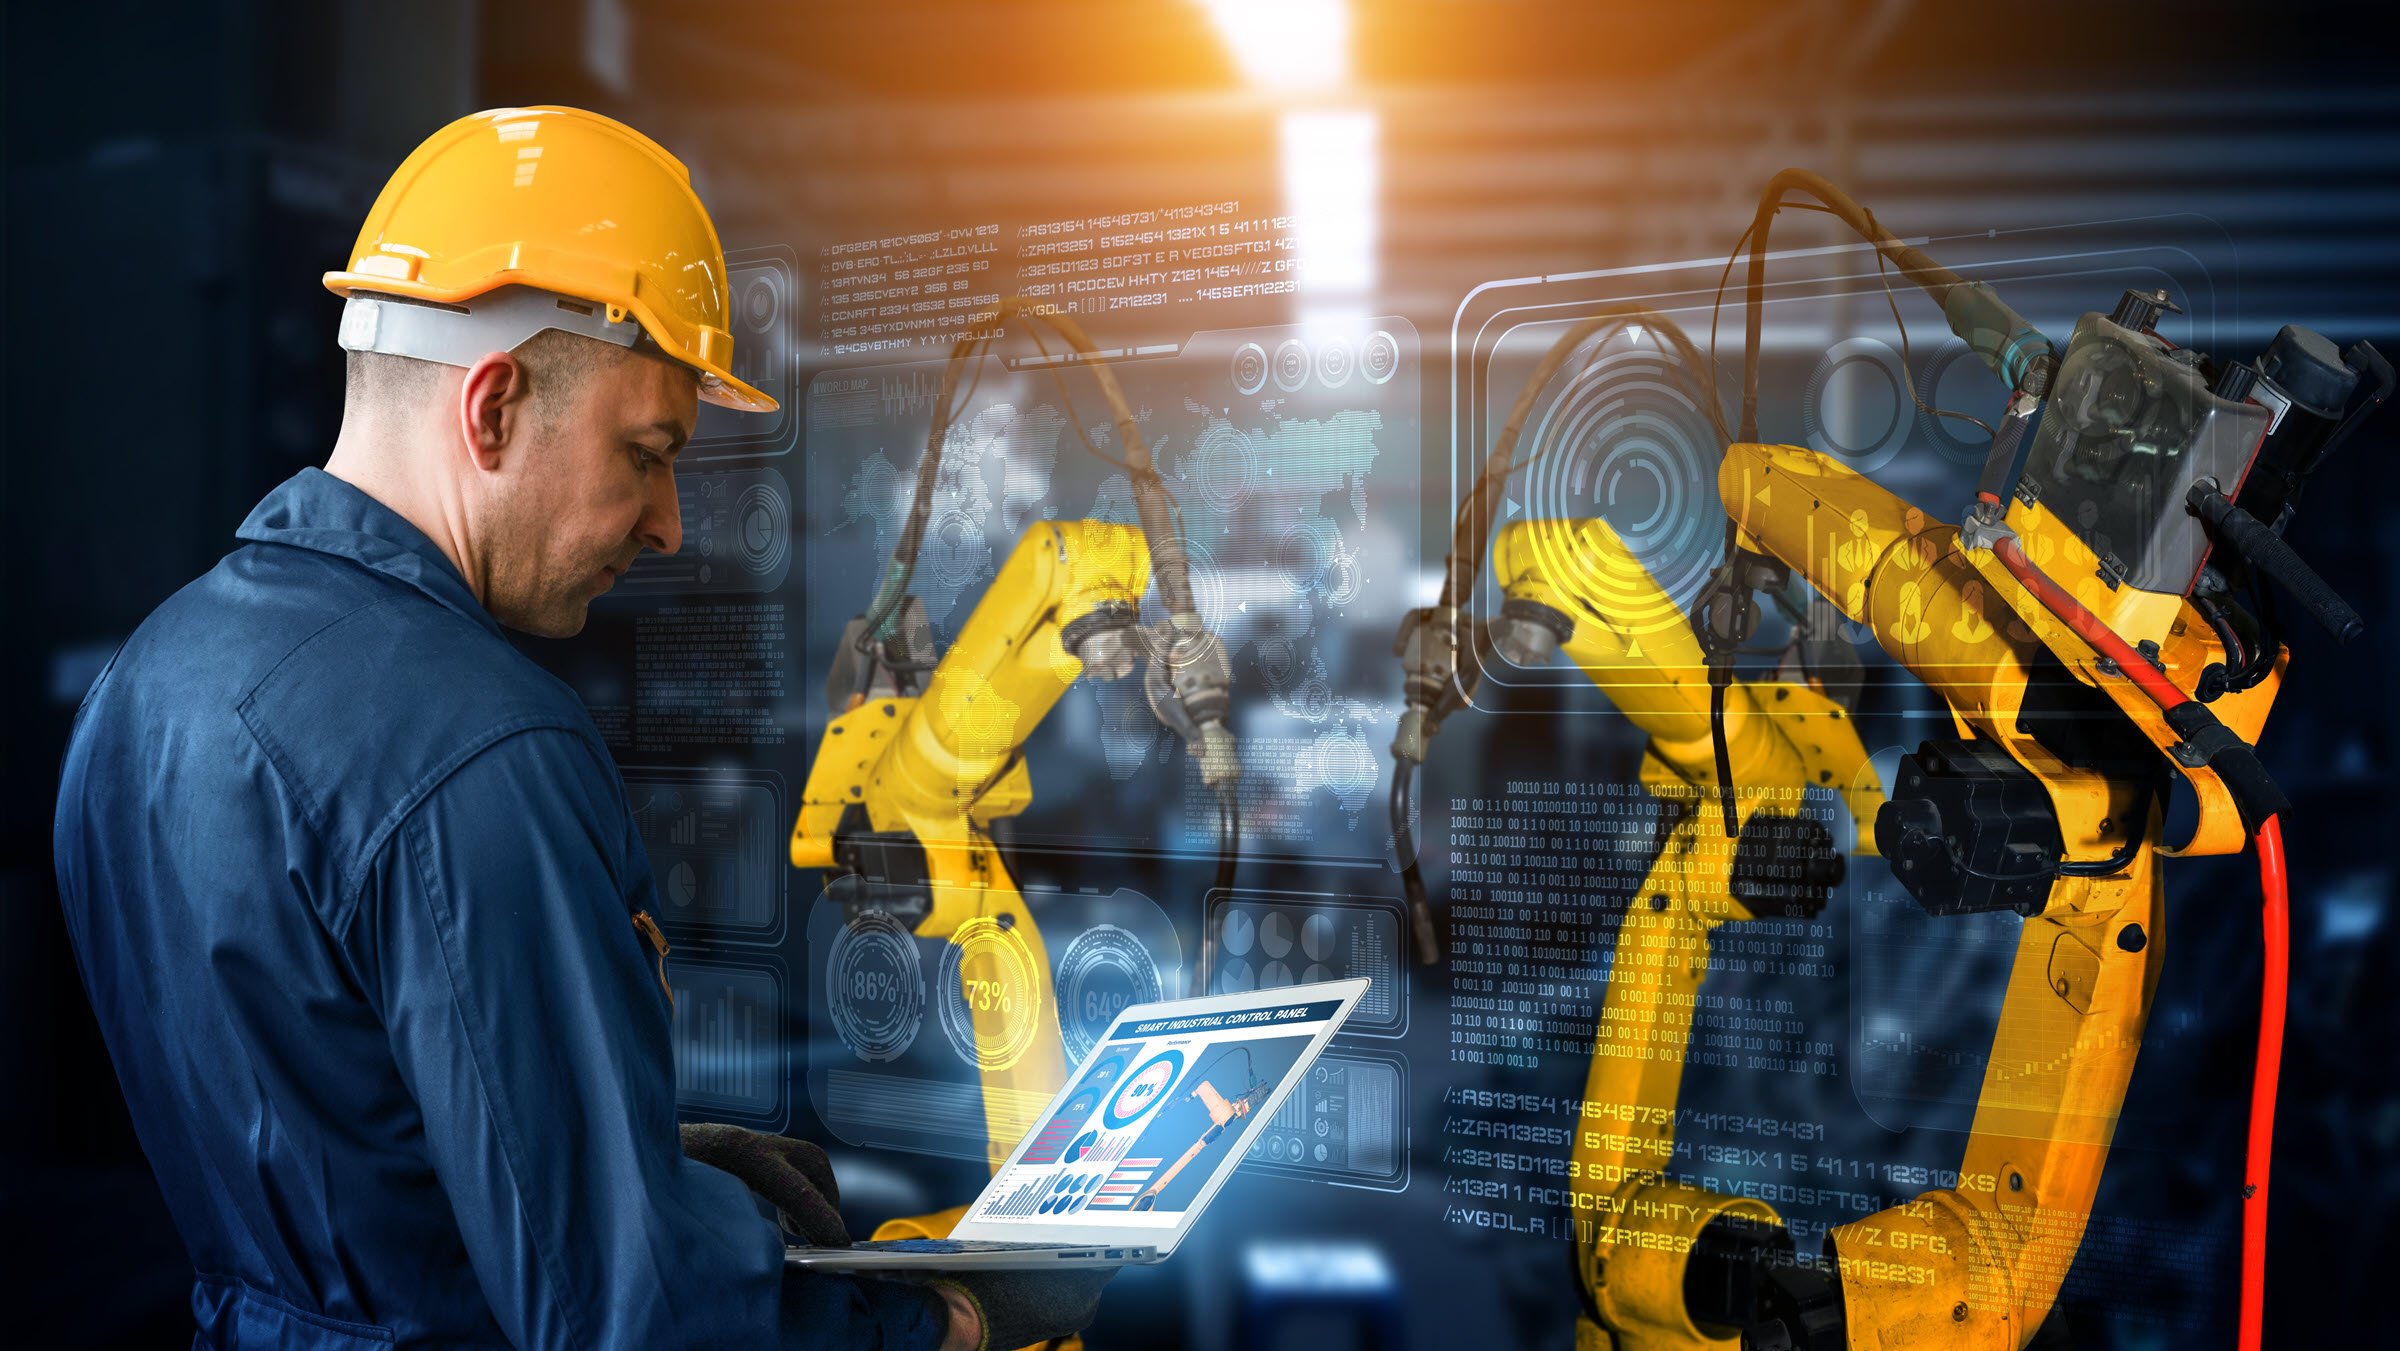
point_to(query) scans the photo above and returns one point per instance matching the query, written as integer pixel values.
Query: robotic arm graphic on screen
(1721, 854)
(923, 756)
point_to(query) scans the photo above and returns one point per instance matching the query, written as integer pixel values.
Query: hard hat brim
(717, 384)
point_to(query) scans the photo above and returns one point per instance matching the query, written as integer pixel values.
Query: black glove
(792, 1175)
(1021, 1308)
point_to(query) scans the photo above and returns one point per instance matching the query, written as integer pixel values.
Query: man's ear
(492, 407)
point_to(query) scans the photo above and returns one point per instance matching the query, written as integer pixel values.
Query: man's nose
(661, 526)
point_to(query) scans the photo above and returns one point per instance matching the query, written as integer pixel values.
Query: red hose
(2088, 626)
(2275, 917)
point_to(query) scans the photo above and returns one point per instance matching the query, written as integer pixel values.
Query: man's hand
(792, 1175)
(1023, 1308)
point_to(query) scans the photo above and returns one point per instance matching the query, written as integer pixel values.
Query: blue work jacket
(351, 883)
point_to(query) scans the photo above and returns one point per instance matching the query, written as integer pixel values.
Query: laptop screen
(1165, 1104)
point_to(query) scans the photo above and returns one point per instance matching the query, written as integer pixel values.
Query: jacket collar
(314, 510)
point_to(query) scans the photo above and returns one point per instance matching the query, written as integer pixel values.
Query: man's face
(593, 486)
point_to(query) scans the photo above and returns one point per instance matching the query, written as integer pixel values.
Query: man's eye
(645, 459)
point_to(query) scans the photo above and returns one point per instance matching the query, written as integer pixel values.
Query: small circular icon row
(1333, 362)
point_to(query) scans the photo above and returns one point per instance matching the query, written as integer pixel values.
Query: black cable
(1229, 853)
(1906, 377)
(1412, 879)
(1716, 722)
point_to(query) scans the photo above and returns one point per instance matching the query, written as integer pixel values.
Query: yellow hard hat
(563, 201)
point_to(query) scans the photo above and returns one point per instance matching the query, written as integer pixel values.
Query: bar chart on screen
(728, 1038)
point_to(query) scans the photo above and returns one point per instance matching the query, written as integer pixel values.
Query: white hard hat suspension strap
(460, 335)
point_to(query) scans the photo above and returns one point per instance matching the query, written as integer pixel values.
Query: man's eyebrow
(673, 431)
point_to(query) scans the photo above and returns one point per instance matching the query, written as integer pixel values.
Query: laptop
(1139, 1140)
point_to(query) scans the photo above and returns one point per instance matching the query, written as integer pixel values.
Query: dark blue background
(178, 176)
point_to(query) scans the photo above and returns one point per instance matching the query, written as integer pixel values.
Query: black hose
(1998, 335)
(1412, 879)
(1716, 727)
(1229, 857)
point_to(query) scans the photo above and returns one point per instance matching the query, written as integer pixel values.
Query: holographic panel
(716, 849)
(728, 1039)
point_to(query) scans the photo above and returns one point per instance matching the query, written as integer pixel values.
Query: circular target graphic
(875, 987)
(1102, 973)
(1249, 368)
(1291, 365)
(1624, 441)
(1223, 464)
(956, 553)
(988, 978)
(1142, 1091)
(1857, 407)
(1308, 545)
(763, 526)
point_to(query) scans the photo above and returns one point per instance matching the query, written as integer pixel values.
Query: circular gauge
(1316, 973)
(1316, 936)
(1291, 365)
(683, 884)
(1275, 934)
(1249, 368)
(1142, 1091)
(990, 994)
(759, 303)
(1335, 361)
(1102, 973)
(875, 986)
(1082, 1145)
(1275, 977)
(1098, 1079)
(1379, 359)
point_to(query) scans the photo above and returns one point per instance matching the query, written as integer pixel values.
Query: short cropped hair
(556, 365)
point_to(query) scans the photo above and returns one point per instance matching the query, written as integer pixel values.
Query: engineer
(353, 884)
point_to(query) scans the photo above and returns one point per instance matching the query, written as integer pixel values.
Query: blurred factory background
(178, 176)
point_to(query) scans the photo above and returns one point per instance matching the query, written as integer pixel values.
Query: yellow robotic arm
(904, 790)
(922, 757)
(1566, 583)
(2074, 703)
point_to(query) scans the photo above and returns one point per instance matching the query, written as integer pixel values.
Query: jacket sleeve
(526, 1015)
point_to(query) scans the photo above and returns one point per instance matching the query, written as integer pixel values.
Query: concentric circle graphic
(1102, 973)
(1335, 362)
(1624, 441)
(1249, 368)
(1856, 407)
(988, 974)
(1306, 548)
(955, 550)
(1223, 465)
(875, 987)
(1291, 365)
(1379, 357)
(764, 529)
(1142, 1091)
